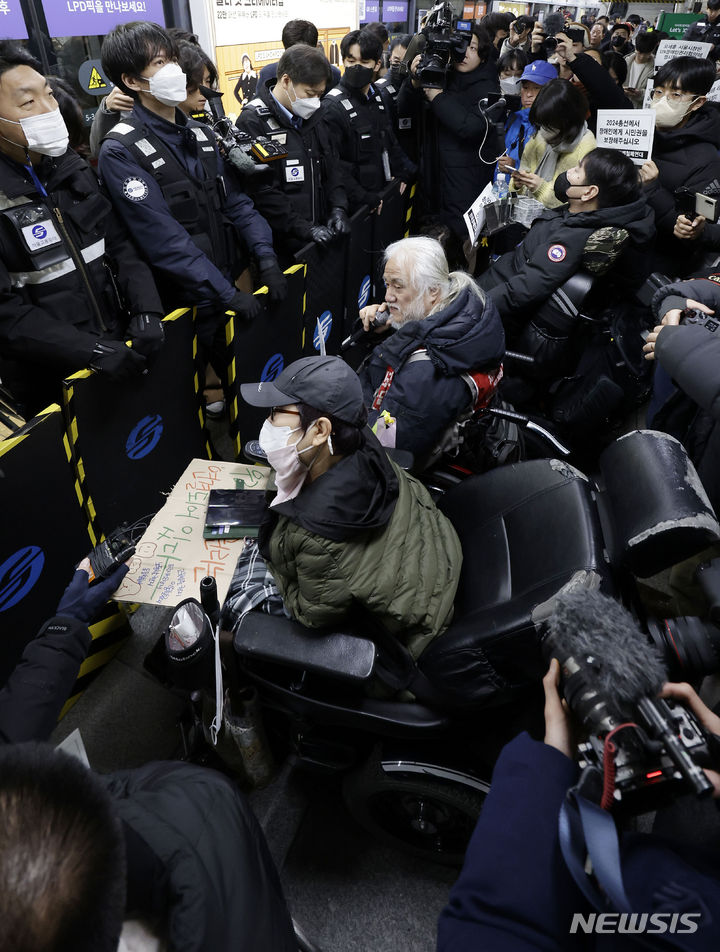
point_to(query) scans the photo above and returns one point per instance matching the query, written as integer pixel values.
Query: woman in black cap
(348, 528)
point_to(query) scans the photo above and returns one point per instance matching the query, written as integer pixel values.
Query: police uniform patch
(135, 189)
(557, 253)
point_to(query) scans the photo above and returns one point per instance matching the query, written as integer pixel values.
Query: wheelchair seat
(525, 531)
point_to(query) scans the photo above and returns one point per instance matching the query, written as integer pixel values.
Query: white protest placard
(475, 215)
(648, 97)
(630, 131)
(172, 555)
(669, 49)
(714, 94)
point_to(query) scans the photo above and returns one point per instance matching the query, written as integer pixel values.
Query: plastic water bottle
(502, 189)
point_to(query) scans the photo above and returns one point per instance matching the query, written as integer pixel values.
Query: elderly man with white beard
(443, 327)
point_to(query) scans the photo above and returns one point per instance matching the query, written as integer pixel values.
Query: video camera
(443, 41)
(641, 751)
(248, 154)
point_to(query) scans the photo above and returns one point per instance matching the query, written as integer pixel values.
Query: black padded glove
(321, 235)
(272, 276)
(245, 305)
(147, 333)
(338, 222)
(116, 360)
(82, 602)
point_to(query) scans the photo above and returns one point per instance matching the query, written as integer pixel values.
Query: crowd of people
(91, 258)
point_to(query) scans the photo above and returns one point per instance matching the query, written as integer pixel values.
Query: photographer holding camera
(459, 145)
(525, 883)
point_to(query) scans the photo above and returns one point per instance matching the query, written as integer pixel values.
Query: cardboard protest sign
(669, 49)
(630, 131)
(172, 556)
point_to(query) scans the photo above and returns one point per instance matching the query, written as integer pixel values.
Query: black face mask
(561, 186)
(618, 41)
(356, 77)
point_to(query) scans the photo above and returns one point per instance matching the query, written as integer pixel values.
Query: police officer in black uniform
(72, 286)
(707, 30)
(360, 125)
(168, 183)
(305, 199)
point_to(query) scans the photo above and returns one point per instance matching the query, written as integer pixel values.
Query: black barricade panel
(359, 272)
(260, 348)
(387, 227)
(44, 531)
(131, 439)
(324, 295)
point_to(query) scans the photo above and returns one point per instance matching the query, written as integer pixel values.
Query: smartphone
(706, 206)
(510, 168)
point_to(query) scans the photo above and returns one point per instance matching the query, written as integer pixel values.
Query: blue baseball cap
(540, 72)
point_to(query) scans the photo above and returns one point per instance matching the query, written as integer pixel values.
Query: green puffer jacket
(365, 532)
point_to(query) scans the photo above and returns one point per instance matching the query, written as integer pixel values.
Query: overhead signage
(97, 17)
(12, 22)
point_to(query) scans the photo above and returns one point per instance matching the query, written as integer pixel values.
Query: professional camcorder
(641, 751)
(248, 154)
(443, 41)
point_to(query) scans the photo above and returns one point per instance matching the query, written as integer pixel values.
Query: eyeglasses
(673, 95)
(274, 410)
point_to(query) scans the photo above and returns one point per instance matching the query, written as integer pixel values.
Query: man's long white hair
(423, 262)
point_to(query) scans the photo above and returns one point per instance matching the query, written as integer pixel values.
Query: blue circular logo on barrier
(325, 328)
(364, 294)
(272, 368)
(18, 574)
(39, 232)
(144, 437)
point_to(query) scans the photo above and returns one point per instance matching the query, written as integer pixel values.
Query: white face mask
(510, 86)
(290, 472)
(304, 108)
(669, 114)
(169, 85)
(46, 133)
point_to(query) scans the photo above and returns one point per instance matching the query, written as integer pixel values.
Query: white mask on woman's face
(669, 114)
(284, 457)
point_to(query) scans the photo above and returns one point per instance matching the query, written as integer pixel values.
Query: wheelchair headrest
(603, 248)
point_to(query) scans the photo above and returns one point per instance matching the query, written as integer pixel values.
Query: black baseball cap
(326, 383)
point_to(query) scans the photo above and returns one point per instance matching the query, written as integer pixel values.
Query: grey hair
(423, 260)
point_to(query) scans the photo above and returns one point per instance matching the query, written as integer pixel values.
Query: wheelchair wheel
(420, 815)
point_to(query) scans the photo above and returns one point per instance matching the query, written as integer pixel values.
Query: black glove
(321, 235)
(245, 305)
(82, 602)
(147, 333)
(338, 222)
(116, 360)
(271, 275)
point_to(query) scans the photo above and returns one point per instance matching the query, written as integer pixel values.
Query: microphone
(381, 319)
(607, 663)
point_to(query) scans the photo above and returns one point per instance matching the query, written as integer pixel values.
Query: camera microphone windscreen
(625, 666)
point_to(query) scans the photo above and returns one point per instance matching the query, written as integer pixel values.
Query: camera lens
(690, 646)
(550, 44)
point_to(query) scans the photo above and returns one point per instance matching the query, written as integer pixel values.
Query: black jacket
(690, 355)
(59, 243)
(686, 157)
(291, 200)
(39, 686)
(703, 32)
(552, 251)
(198, 861)
(362, 131)
(451, 130)
(600, 88)
(427, 396)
